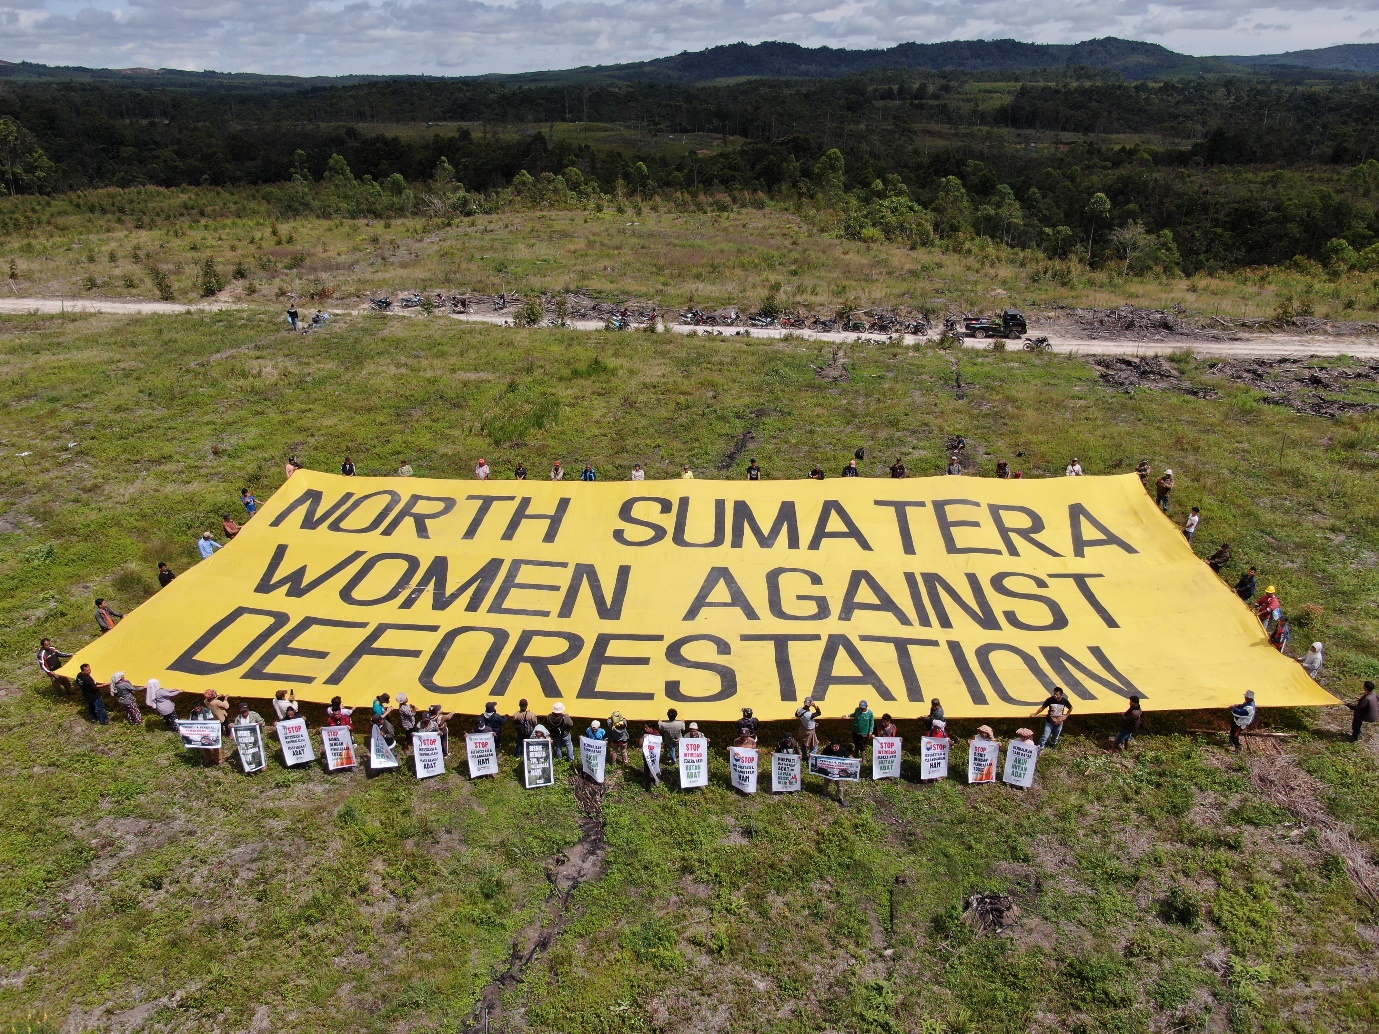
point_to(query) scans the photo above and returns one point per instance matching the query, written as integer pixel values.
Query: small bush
(998, 344)
(162, 283)
(530, 314)
(211, 281)
(1181, 907)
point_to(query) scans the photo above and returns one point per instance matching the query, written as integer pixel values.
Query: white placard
(933, 757)
(428, 754)
(337, 744)
(200, 734)
(885, 757)
(837, 769)
(785, 773)
(651, 750)
(983, 758)
(593, 757)
(1021, 757)
(381, 755)
(482, 748)
(538, 763)
(743, 762)
(694, 762)
(249, 743)
(295, 741)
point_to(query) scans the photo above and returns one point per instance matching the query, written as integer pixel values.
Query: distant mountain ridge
(1133, 59)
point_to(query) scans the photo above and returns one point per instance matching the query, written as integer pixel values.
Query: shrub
(211, 282)
(1181, 907)
(162, 283)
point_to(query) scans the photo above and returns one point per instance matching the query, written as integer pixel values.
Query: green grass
(1157, 891)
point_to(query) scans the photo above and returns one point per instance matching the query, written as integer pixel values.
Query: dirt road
(1247, 346)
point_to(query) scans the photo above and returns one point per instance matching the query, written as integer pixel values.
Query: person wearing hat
(835, 749)
(748, 723)
(1073, 469)
(596, 731)
(863, 726)
(687, 474)
(1143, 469)
(382, 704)
(481, 471)
(246, 716)
(524, 722)
(561, 725)
(1058, 707)
(954, 465)
(1366, 709)
(672, 729)
(638, 474)
(808, 716)
(1130, 723)
(160, 699)
(788, 745)
(407, 720)
(1269, 608)
(1024, 735)
(588, 473)
(938, 729)
(1242, 717)
(745, 737)
(618, 736)
(653, 778)
(1163, 488)
(557, 472)
(492, 721)
(206, 545)
(693, 733)
(436, 720)
(985, 732)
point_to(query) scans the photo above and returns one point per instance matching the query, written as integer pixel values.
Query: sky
(469, 37)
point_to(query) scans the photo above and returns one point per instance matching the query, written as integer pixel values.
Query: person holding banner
(160, 699)
(808, 716)
(436, 720)
(596, 731)
(887, 727)
(983, 754)
(651, 753)
(246, 716)
(562, 729)
(835, 749)
(407, 720)
(492, 721)
(339, 716)
(1059, 707)
(745, 738)
(210, 756)
(788, 745)
(672, 729)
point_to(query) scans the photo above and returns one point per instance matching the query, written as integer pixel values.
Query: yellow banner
(709, 596)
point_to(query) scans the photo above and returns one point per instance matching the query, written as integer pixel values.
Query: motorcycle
(411, 301)
(381, 304)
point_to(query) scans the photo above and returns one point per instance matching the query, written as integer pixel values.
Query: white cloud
(457, 37)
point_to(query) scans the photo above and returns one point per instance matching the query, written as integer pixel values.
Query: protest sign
(295, 741)
(593, 756)
(427, 754)
(885, 757)
(1021, 758)
(249, 743)
(337, 744)
(743, 763)
(651, 750)
(785, 773)
(1033, 583)
(933, 757)
(200, 735)
(982, 758)
(694, 762)
(382, 754)
(482, 749)
(538, 763)
(836, 769)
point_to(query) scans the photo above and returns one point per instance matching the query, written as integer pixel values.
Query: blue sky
(465, 37)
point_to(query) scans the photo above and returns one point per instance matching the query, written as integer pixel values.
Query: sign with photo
(337, 744)
(200, 735)
(837, 769)
(982, 758)
(743, 763)
(249, 743)
(785, 773)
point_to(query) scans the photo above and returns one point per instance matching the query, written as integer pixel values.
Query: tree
(445, 174)
(23, 164)
(1098, 207)
(952, 209)
(828, 173)
(1129, 241)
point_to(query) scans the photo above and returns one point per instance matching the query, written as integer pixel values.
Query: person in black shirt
(521, 472)
(851, 471)
(347, 468)
(817, 474)
(747, 723)
(788, 745)
(753, 471)
(492, 721)
(898, 468)
(165, 575)
(1247, 586)
(91, 692)
(1003, 469)
(292, 316)
(50, 659)
(1218, 560)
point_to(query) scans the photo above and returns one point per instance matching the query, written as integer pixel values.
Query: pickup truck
(1009, 324)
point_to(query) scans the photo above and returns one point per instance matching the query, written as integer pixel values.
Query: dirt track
(1247, 346)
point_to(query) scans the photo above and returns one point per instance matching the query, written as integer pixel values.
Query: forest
(1184, 175)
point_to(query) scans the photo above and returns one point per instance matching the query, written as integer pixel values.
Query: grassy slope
(131, 880)
(705, 259)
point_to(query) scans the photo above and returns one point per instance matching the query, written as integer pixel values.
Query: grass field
(150, 242)
(1176, 888)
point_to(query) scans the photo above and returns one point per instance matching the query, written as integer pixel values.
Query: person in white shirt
(638, 474)
(481, 471)
(1074, 469)
(404, 471)
(557, 472)
(688, 475)
(282, 703)
(1313, 660)
(206, 545)
(1190, 525)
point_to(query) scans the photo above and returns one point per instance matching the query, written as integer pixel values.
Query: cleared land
(1176, 888)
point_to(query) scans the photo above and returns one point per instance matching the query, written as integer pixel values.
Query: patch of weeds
(1181, 907)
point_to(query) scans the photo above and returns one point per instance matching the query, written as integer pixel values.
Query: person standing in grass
(638, 474)
(201, 713)
(160, 699)
(219, 705)
(562, 727)
(248, 717)
(520, 473)
(91, 693)
(347, 468)
(886, 726)
(816, 474)
(588, 473)
(1163, 490)
(863, 726)
(165, 575)
(618, 736)
(50, 659)
(954, 465)
(1366, 709)
(1269, 609)
(1130, 723)
(672, 729)
(898, 468)
(405, 471)
(206, 545)
(1073, 469)
(1282, 635)
(935, 712)
(251, 504)
(808, 717)
(557, 472)
(107, 617)
(231, 527)
(1143, 469)
(851, 471)
(1190, 525)
(481, 471)
(753, 471)
(1242, 717)
(407, 720)
(1247, 586)
(650, 729)
(788, 745)
(596, 731)
(123, 692)
(749, 722)
(293, 317)
(524, 722)
(687, 475)
(1313, 660)
(1058, 707)
(492, 721)
(291, 466)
